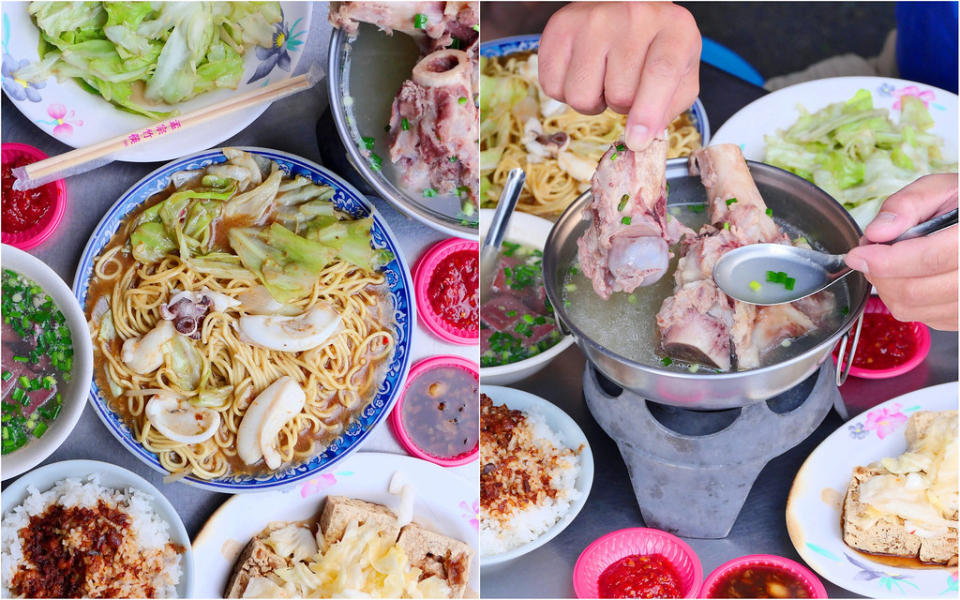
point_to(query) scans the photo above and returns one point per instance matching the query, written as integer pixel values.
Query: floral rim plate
(778, 110)
(398, 279)
(444, 502)
(78, 118)
(813, 507)
(522, 43)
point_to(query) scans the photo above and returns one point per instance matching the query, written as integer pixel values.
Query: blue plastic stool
(725, 59)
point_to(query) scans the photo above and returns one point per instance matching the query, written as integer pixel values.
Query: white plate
(444, 503)
(529, 230)
(813, 508)
(79, 118)
(74, 393)
(111, 476)
(778, 110)
(570, 435)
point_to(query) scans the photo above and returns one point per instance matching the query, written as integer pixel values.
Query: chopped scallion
(404, 124)
(755, 286)
(462, 100)
(626, 220)
(666, 361)
(429, 193)
(368, 142)
(623, 202)
(731, 201)
(420, 20)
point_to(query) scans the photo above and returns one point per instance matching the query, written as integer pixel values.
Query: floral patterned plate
(813, 508)
(778, 110)
(444, 502)
(79, 118)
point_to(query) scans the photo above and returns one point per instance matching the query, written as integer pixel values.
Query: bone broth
(627, 323)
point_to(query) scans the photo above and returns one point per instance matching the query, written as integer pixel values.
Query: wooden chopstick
(96, 155)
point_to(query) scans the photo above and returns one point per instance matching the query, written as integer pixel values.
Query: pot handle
(843, 367)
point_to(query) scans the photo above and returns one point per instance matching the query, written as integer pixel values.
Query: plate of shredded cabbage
(442, 502)
(88, 71)
(860, 139)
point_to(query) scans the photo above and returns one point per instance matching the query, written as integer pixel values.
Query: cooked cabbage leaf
(139, 55)
(857, 154)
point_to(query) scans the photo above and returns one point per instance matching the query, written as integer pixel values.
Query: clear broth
(627, 323)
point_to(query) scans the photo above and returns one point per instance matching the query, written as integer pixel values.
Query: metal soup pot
(801, 204)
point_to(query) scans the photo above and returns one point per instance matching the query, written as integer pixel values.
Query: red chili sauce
(454, 291)
(640, 576)
(760, 581)
(24, 209)
(884, 342)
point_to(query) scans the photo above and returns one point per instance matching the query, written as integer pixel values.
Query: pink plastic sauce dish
(916, 336)
(437, 418)
(449, 269)
(770, 577)
(31, 216)
(605, 551)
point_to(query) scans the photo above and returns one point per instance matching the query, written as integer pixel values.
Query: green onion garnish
(666, 361)
(570, 287)
(476, 27)
(461, 100)
(769, 212)
(623, 202)
(419, 20)
(726, 225)
(429, 193)
(696, 208)
(613, 156)
(789, 283)
(404, 124)
(453, 159)
(755, 286)
(368, 142)
(6, 376)
(626, 220)
(375, 161)
(731, 201)
(621, 148)
(845, 310)
(632, 298)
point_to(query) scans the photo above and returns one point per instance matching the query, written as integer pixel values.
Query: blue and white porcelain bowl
(527, 42)
(398, 279)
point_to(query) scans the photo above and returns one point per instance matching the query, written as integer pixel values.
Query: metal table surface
(287, 125)
(761, 527)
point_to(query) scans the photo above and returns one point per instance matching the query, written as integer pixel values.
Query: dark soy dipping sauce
(441, 413)
(760, 581)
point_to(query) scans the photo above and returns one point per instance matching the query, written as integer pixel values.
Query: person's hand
(916, 279)
(638, 58)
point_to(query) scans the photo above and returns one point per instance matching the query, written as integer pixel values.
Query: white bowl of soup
(47, 361)
(518, 330)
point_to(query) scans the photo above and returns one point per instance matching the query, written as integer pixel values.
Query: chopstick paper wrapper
(97, 155)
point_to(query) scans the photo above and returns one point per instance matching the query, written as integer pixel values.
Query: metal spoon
(498, 226)
(743, 273)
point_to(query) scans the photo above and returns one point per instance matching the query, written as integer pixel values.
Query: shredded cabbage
(856, 154)
(139, 55)
(364, 563)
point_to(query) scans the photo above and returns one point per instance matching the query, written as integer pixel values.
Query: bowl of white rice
(536, 472)
(112, 534)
